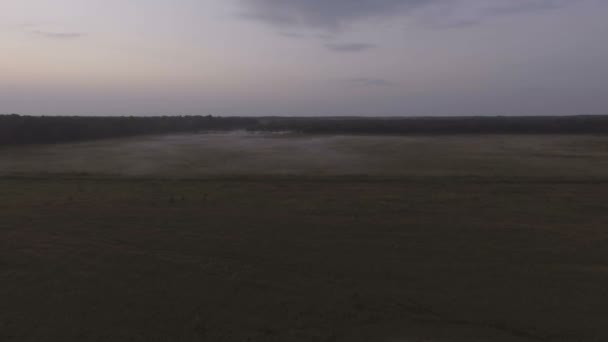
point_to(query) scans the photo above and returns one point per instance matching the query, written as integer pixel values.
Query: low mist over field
(237, 236)
(262, 153)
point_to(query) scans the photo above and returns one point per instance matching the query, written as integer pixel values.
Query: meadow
(242, 153)
(248, 236)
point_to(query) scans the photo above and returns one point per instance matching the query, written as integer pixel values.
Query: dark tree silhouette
(17, 129)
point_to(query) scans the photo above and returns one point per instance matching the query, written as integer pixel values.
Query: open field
(247, 154)
(245, 237)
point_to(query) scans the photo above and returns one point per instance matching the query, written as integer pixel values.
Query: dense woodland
(583, 124)
(18, 129)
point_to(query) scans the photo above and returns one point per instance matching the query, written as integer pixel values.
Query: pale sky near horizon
(304, 57)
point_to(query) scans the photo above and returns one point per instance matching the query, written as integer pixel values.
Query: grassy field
(247, 154)
(245, 237)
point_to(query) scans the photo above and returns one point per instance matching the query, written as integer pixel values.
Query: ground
(489, 238)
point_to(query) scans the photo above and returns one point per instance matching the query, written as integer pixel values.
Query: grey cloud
(370, 82)
(495, 8)
(324, 14)
(525, 6)
(455, 24)
(335, 14)
(293, 35)
(349, 47)
(57, 35)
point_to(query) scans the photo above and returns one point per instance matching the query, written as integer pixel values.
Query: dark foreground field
(452, 256)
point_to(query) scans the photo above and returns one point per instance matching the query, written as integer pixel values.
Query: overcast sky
(304, 57)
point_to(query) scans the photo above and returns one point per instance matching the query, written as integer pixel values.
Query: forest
(19, 129)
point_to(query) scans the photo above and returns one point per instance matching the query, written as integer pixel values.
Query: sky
(304, 57)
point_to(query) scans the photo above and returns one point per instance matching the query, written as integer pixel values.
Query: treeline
(583, 124)
(17, 129)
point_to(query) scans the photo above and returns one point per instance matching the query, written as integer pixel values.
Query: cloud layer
(336, 14)
(322, 13)
(57, 35)
(370, 82)
(349, 47)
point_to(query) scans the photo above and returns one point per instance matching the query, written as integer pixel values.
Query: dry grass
(504, 256)
(262, 154)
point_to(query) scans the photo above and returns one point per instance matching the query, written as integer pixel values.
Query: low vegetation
(453, 238)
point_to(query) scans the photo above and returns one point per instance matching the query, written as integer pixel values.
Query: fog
(250, 153)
